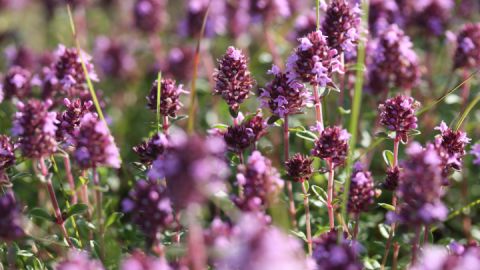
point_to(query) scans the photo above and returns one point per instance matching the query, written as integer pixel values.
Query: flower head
(149, 207)
(362, 193)
(439, 258)
(475, 151)
(453, 144)
(7, 154)
(331, 255)
(392, 178)
(20, 56)
(35, 128)
(113, 57)
(69, 120)
(332, 145)
(94, 145)
(467, 54)
(68, 68)
(382, 13)
(149, 15)
(150, 149)
(233, 80)
(79, 260)
(140, 261)
(10, 220)
(430, 16)
(398, 114)
(196, 10)
(169, 97)
(16, 83)
(299, 167)
(267, 10)
(304, 24)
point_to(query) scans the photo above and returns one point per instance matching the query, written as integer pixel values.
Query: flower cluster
(398, 114)
(436, 257)
(35, 128)
(20, 56)
(266, 10)
(475, 151)
(299, 167)
(453, 144)
(362, 193)
(332, 145)
(150, 149)
(382, 13)
(304, 24)
(16, 83)
(392, 178)
(68, 70)
(150, 207)
(140, 261)
(467, 54)
(194, 168)
(69, 120)
(113, 57)
(149, 15)
(331, 255)
(94, 145)
(169, 97)
(233, 80)
(313, 61)
(196, 9)
(431, 16)
(7, 155)
(79, 260)
(420, 187)
(260, 182)
(179, 60)
(341, 25)
(284, 96)
(10, 220)
(392, 61)
(240, 137)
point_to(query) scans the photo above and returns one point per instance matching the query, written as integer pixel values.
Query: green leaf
(233, 113)
(388, 157)
(179, 118)
(297, 129)
(321, 193)
(76, 209)
(24, 253)
(83, 180)
(41, 213)
(387, 206)
(114, 217)
(343, 111)
(413, 132)
(272, 119)
(300, 235)
(307, 135)
(306, 184)
(220, 126)
(384, 230)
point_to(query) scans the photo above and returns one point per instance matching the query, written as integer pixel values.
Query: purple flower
(341, 26)
(68, 68)
(392, 178)
(329, 254)
(194, 168)
(20, 56)
(35, 128)
(149, 15)
(17, 83)
(7, 154)
(392, 61)
(313, 61)
(169, 97)
(69, 120)
(238, 17)
(299, 167)
(467, 54)
(332, 145)
(196, 9)
(431, 16)
(260, 181)
(284, 96)
(398, 114)
(268, 10)
(304, 24)
(140, 261)
(79, 260)
(438, 258)
(180, 60)
(150, 149)
(475, 151)
(233, 80)
(451, 146)
(10, 219)
(149, 207)
(362, 193)
(94, 145)
(113, 57)
(381, 14)
(420, 187)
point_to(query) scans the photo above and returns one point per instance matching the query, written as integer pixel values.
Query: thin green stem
(317, 11)
(465, 113)
(159, 93)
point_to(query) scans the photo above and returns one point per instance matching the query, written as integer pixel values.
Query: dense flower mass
(68, 70)
(10, 219)
(331, 255)
(467, 54)
(284, 96)
(16, 83)
(7, 155)
(299, 167)
(94, 145)
(392, 61)
(313, 61)
(453, 143)
(332, 145)
(113, 57)
(69, 120)
(439, 258)
(268, 10)
(476, 153)
(304, 24)
(361, 195)
(35, 128)
(149, 15)
(381, 14)
(398, 114)
(260, 182)
(149, 207)
(150, 149)
(430, 16)
(340, 26)
(169, 97)
(140, 261)
(195, 12)
(193, 167)
(233, 80)
(420, 188)
(79, 260)
(392, 178)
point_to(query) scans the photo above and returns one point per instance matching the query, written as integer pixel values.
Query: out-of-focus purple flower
(219, 234)
(150, 207)
(255, 246)
(94, 145)
(340, 25)
(140, 261)
(299, 167)
(113, 57)
(438, 258)
(20, 56)
(149, 15)
(69, 120)
(17, 83)
(10, 219)
(35, 128)
(238, 138)
(430, 16)
(329, 254)
(392, 178)
(238, 17)
(467, 54)
(169, 97)
(150, 149)
(179, 63)
(332, 145)
(398, 114)
(196, 9)
(194, 168)
(453, 143)
(420, 187)
(284, 96)
(304, 24)
(268, 10)
(260, 181)
(392, 61)
(475, 151)
(313, 61)
(77, 260)
(7, 154)
(381, 14)
(233, 80)
(362, 193)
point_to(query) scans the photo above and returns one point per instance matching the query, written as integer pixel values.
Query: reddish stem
(331, 174)
(318, 109)
(165, 125)
(70, 179)
(306, 205)
(291, 208)
(415, 245)
(355, 229)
